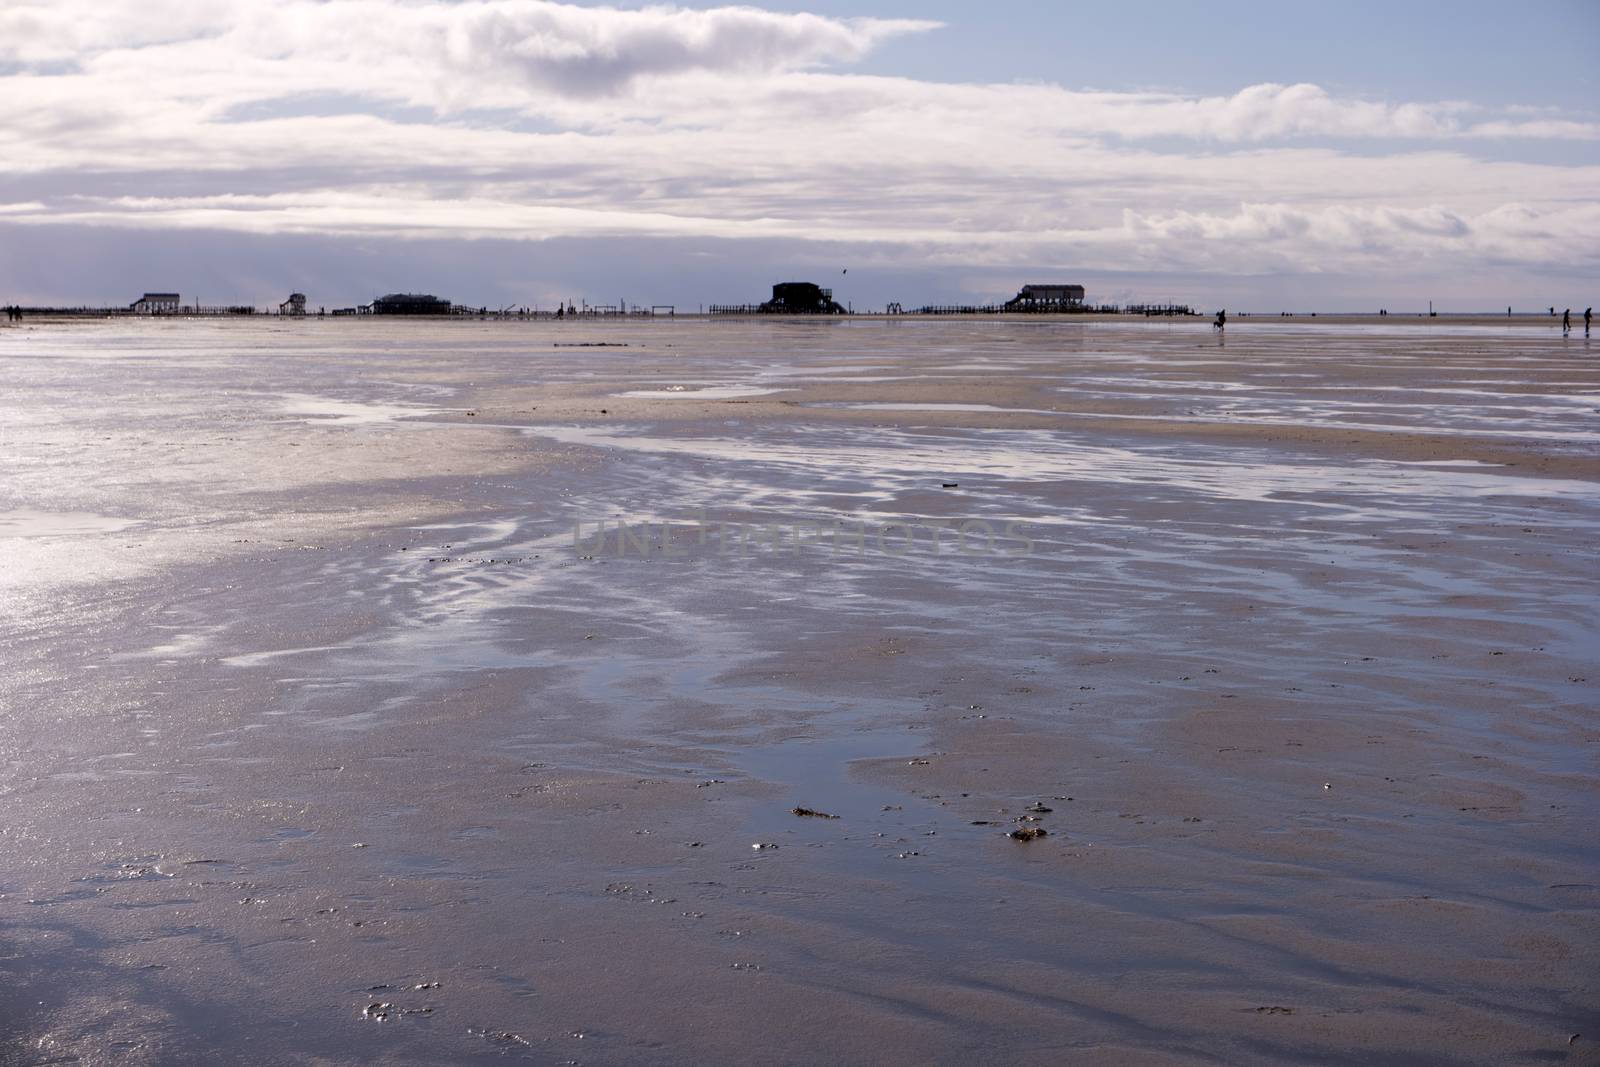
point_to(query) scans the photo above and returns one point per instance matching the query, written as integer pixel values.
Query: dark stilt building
(1047, 298)
(156, 304)
(410, 304)
(801, 298)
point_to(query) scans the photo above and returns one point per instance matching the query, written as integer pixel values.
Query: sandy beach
(424, 693)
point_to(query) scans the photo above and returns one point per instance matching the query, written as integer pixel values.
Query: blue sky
(1541, 53)
(517, 151)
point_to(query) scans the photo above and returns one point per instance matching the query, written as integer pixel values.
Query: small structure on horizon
(1047, 298)
(801, 298)
(295, 305)
(788, 298)
(410, 304)
(156, 304)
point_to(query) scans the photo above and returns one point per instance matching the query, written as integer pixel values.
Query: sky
(1255, 156)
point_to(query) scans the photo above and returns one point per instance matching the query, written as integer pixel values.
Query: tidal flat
(473, 692)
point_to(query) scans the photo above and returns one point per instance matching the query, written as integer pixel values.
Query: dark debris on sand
(812, 813)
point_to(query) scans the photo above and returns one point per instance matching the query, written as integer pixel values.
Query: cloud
(1271, 111)
(1245, 238)
(67, 31)
(596, 66)
(449, 55)
(1343, 238)
(526, 120)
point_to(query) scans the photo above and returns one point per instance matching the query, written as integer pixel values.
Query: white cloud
(526, 119)
(450, 55)
(1244, 238)
(69, 30)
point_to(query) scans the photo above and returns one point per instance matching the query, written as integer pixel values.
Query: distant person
(1588, 313)
(1222, 320)
(1566, 322)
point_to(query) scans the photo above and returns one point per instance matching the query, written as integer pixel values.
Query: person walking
(1222, 320)
(1566, 322)
(1588, 313)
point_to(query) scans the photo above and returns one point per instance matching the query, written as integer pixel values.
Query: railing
(123, 311)
(1158, 309)
(1051, 308)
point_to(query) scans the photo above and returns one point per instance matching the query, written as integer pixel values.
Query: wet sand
(323, 743)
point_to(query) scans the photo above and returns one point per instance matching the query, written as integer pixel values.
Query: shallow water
(324, 689)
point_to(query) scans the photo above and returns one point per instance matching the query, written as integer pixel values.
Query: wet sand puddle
(349, 412)
(58, 524)
(675, 643)
(699, 392)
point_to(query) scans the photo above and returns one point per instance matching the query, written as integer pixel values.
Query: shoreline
(1234, 318)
